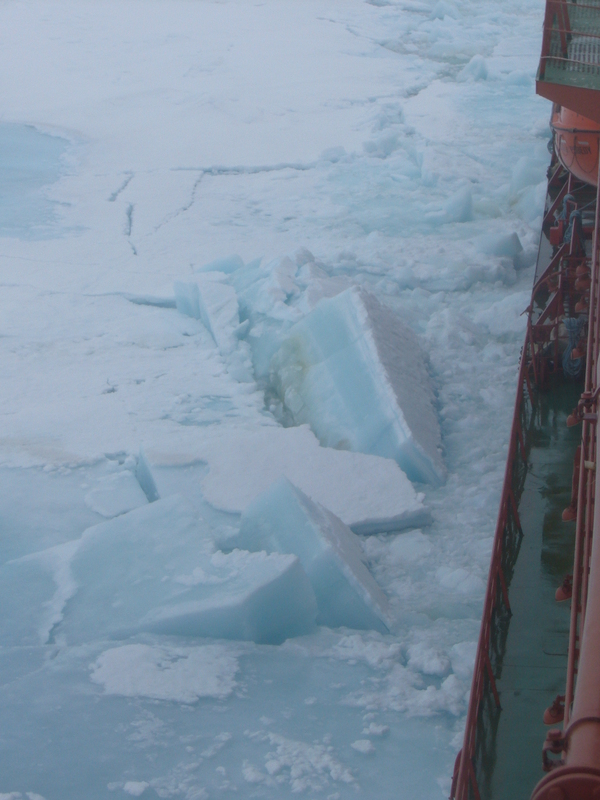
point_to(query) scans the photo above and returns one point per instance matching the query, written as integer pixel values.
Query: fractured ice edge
(155, 569)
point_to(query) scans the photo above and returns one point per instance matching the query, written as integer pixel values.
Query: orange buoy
(576, 143)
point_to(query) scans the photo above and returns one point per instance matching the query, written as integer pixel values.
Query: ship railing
(572, 755)
(571, 41)
(541, 347)
(586, 492)
(496, 608)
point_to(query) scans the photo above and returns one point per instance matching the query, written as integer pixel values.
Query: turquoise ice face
(356, 375)
(29, 162)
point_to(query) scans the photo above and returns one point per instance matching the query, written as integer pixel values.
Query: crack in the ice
(129, 223)
(129, 226)
(221, 170)
(185, 208)
(242, 170)
(136, 299)
(121, 188)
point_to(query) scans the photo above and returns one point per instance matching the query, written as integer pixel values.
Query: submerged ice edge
(30, 162)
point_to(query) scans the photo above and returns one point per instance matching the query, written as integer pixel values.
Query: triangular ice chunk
(284, 520)
(357, 375)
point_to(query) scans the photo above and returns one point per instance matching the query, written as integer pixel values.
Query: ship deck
(532, 669)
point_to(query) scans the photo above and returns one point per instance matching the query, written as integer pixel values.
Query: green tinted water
(533, 669)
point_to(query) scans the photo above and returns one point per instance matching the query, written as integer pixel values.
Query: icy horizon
(183, 183)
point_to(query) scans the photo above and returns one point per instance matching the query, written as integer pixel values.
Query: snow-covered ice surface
(183, 182)
(367, 492)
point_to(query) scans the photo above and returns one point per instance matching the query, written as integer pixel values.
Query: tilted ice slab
(284, 520)
(369, 493)
(153, 569)
(357, 375)
(190, 303)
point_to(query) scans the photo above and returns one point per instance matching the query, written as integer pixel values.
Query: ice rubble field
(185, 188)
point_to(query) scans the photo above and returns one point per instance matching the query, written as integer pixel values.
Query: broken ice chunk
(189, 302)
(265, 293)
(369, 493)
(227, 265)
(144, 477)
(116, 494)
(215, 304)
(357, 375)
(266, 598)
(220, 302)
(284, 520)
(154, 570)
(187, 299)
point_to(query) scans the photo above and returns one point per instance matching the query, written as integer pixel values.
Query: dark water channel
(533, 668)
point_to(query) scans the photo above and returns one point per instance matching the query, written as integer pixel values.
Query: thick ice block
(369, 493)
(144, 477)
(154, 570)
(239, 595)
(284, 520)
(357, 375)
